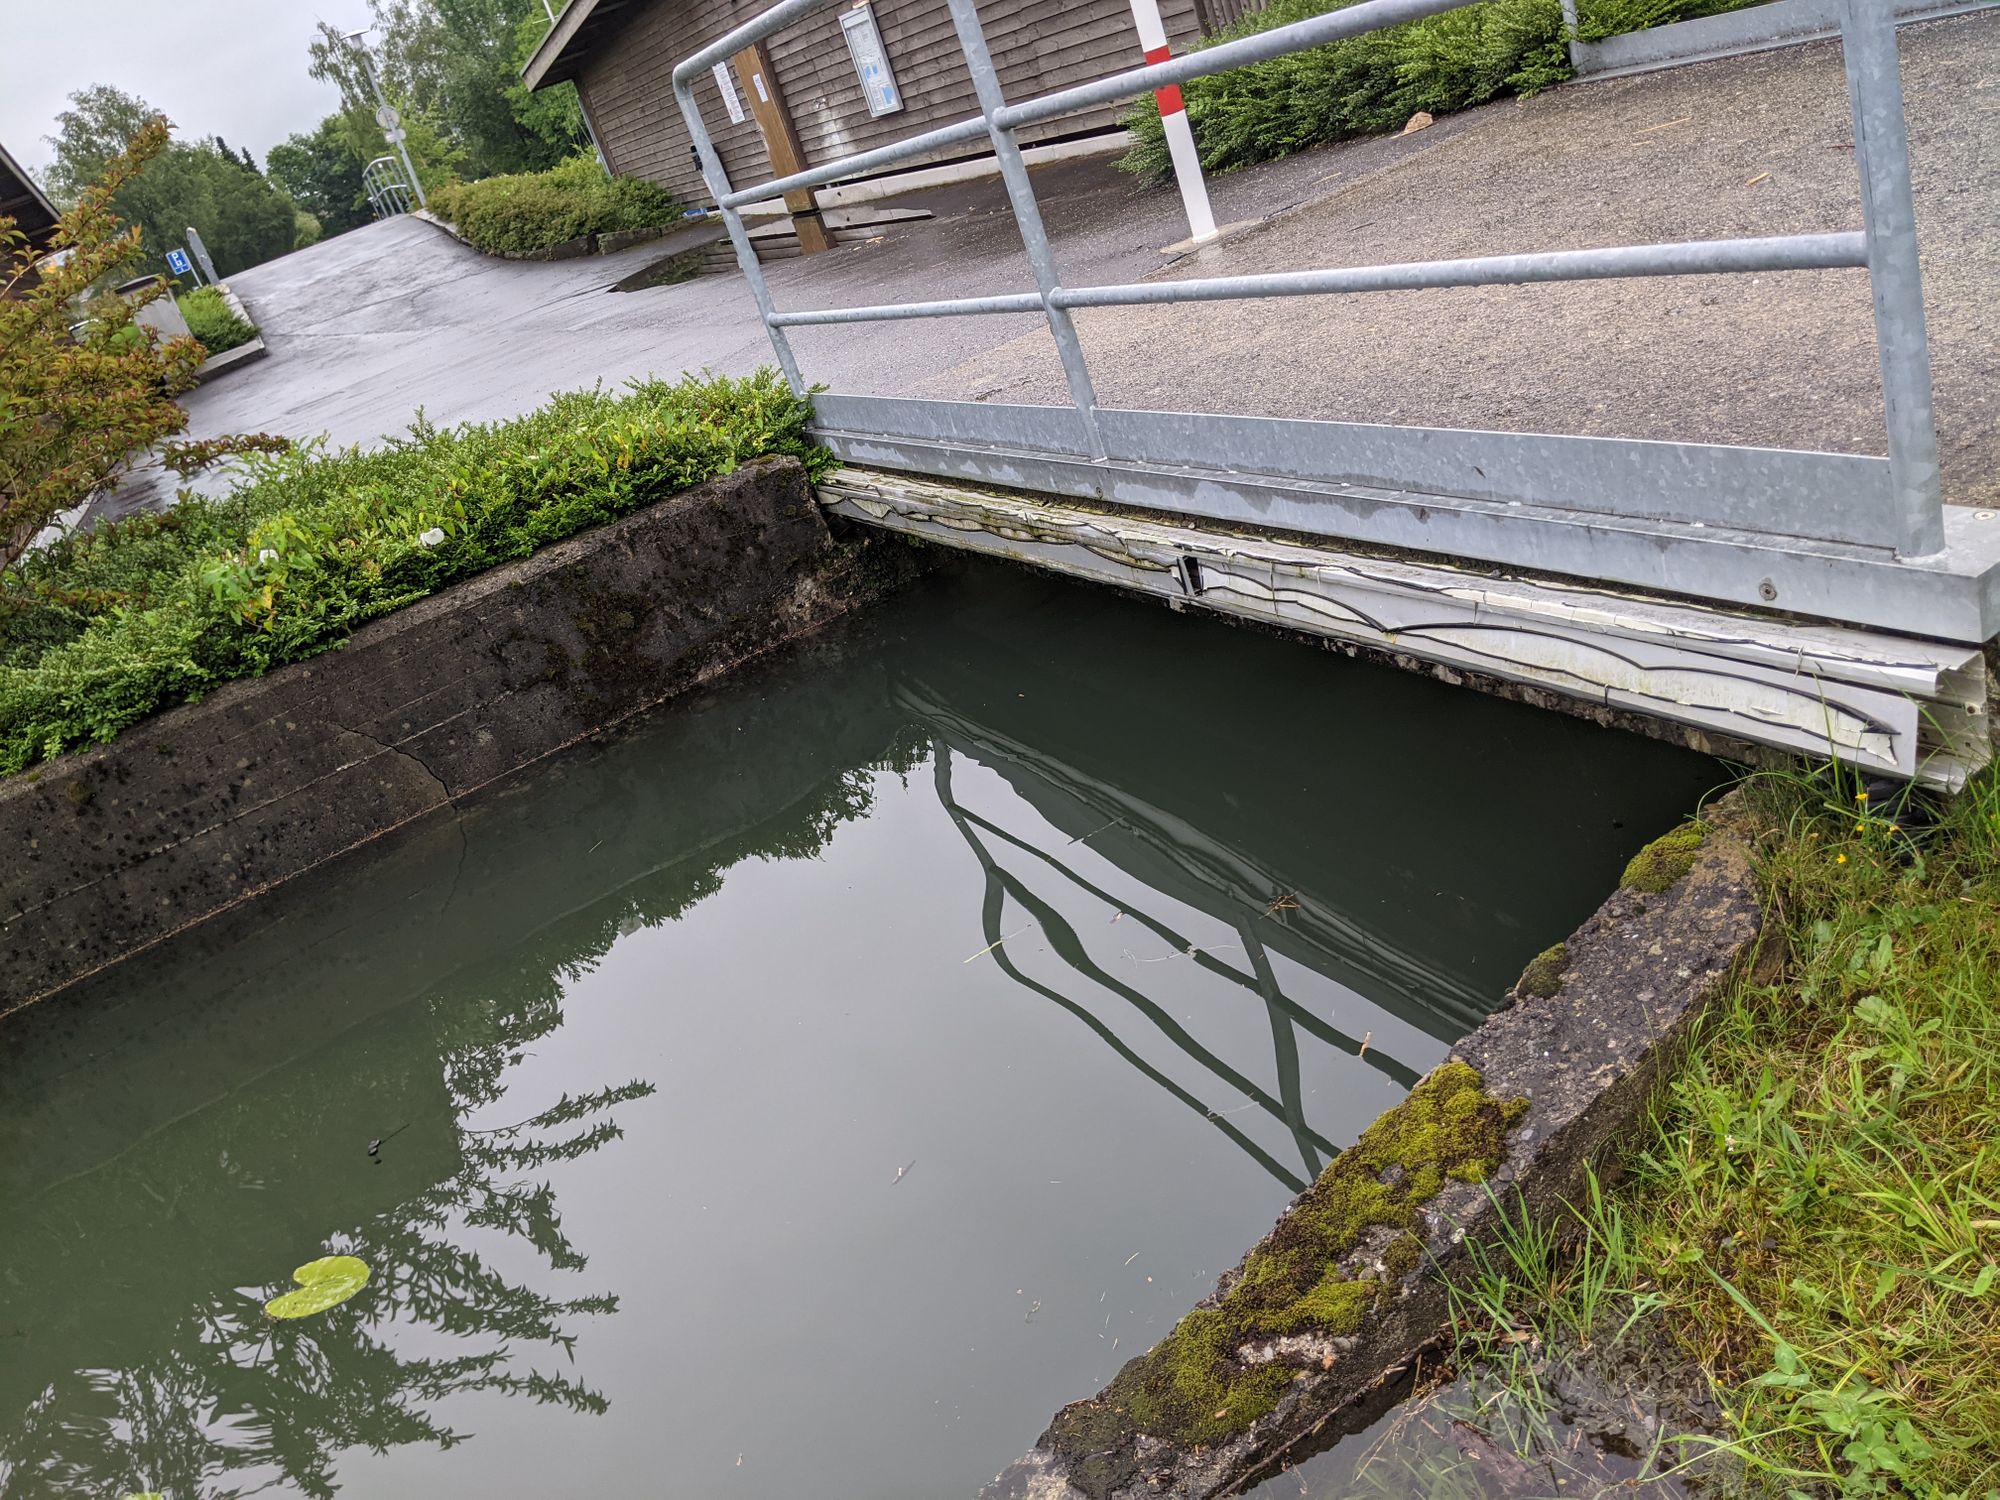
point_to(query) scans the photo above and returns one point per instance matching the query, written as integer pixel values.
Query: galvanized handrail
(1886, 246)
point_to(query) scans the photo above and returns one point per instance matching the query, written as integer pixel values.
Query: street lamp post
(395, 132)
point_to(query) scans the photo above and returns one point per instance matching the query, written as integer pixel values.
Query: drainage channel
(804, 1092)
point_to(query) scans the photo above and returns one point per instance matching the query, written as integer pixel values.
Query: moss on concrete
(1193, 1388)
(1663, 861)
(1544, 974)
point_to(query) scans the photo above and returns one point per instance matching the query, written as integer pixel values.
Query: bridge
(1751, 598)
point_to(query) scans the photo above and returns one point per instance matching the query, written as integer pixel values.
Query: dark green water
(647, 1037)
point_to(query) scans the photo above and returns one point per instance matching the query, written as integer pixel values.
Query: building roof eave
(25, 203)
(581, 26)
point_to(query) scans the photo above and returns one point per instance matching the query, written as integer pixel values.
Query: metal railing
(1771, 491)
(387, 188)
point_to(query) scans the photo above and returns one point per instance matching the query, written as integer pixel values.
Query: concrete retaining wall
(1586, 1038)
(113, 848)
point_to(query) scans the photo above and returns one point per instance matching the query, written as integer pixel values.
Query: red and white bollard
(1173, 115)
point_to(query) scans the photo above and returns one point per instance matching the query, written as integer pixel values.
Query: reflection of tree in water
(234, 1402)
(229, 1402)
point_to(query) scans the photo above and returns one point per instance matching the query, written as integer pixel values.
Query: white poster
(730, 100)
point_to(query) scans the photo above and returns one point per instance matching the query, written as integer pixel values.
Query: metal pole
(1569, 32)
(1889, 218)
(1174, 122)
(1027, 215)
(368, 67)
(739, 237)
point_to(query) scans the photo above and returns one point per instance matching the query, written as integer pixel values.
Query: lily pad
(323, 1283)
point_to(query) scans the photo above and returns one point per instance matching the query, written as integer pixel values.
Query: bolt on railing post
(1888, 216)
(1027, 215)
(739, 237)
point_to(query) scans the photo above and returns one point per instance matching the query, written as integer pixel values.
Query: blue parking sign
(178, 262)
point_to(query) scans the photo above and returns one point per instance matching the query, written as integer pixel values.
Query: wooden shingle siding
(1037, 45)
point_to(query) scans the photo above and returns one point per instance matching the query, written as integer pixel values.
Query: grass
(108, 627)
(211, 320)
(1813, 1212)
(538, 210)
(1374, 83)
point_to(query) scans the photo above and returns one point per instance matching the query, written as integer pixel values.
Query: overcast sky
(234, 68)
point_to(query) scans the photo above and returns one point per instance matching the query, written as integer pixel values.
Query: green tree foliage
(75, 405)
(451, 68)
(242, 216)
(323, 174)
(553, 114)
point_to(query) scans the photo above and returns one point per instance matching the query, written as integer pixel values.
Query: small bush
(106, 628)
(1374, 83)
(211, 321)
(538, 210)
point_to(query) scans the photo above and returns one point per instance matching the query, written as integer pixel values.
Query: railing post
(1027, 215)
(739, 237)
(1888, 215)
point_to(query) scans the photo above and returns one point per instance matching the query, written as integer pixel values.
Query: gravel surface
(1746, 146)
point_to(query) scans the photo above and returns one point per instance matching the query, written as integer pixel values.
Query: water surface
(803, 1093)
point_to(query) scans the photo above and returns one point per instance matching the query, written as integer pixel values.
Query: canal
(803, 1092)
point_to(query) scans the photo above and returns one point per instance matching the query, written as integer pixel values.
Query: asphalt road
(369, 327)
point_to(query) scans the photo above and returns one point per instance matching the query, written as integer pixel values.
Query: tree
(98, 125)
(323, 175)
(74, 407)
(242, 217)
(455, 66)
(553, 115)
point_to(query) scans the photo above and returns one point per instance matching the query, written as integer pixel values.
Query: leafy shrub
(1373, 83)
(211, 320)
(80, 395)
(537, 210)
(106, 628)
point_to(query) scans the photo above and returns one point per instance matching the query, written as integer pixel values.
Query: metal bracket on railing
(1903, 513)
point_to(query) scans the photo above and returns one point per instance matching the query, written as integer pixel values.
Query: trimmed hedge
(210, 320)
(1370, 84)
(539, 210)
(103, 629)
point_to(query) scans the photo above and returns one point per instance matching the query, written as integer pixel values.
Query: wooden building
(621, 53)
(24, 203)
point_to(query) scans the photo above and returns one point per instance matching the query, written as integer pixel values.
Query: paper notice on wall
(757, 79)
(871, 61)
(731, 100)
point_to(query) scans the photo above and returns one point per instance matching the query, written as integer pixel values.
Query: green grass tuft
(1544, 974)
(1814, 1211)
(210, 320)
(1657, 866)
(101, 630)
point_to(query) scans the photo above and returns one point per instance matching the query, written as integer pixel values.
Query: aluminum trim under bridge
(1830, 603)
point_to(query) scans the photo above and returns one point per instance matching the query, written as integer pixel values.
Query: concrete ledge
(609, 243)
(114, 848)
(1756, 28)
(1586, 1038)
(230, 359)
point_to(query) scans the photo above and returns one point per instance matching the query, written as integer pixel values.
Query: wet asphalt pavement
(365, 329)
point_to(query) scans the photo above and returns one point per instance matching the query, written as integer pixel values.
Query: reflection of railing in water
(1285, 1014)
(1229, 882)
